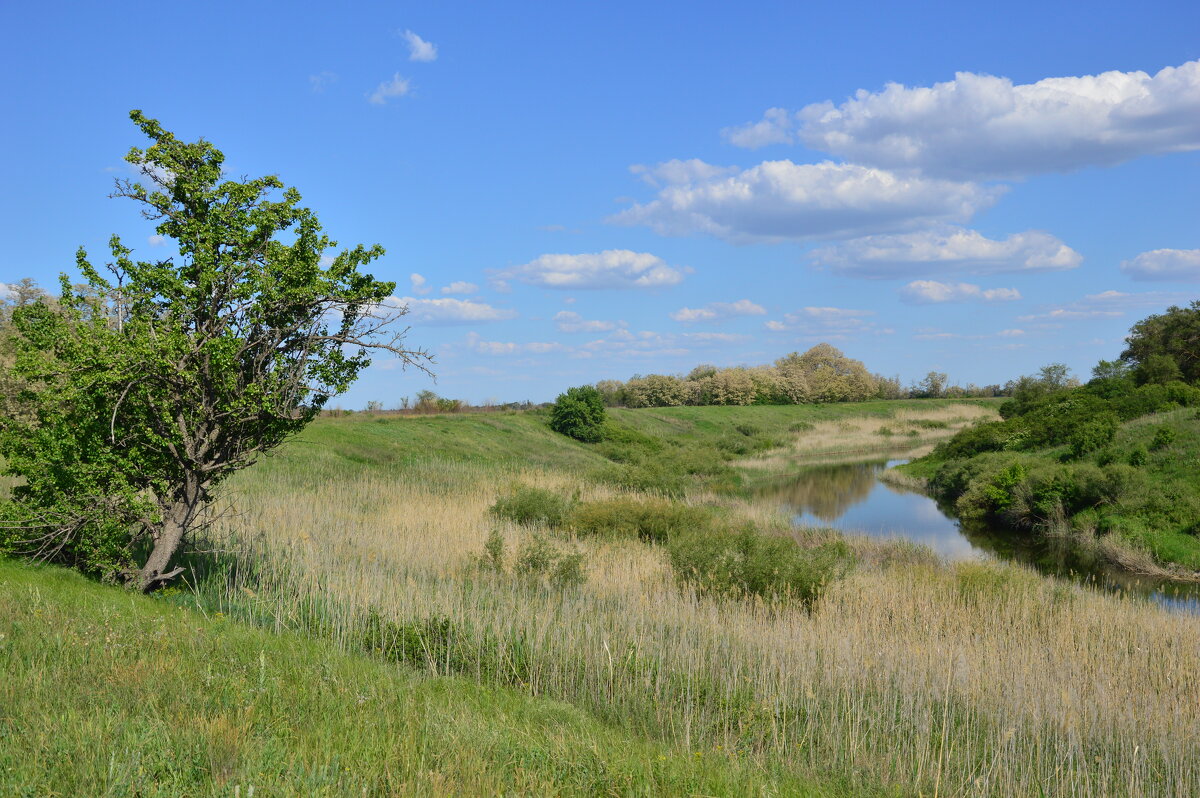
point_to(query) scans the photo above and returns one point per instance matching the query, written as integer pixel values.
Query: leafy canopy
(148, 387)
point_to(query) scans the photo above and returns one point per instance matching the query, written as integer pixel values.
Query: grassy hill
(108, 693)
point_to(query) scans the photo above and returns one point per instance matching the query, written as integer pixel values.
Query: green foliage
(745, 562)
(1174, 334)
(654, 521)
(532, 506)
(1138, 456)
(579, 414)
(145, 392)
(1164, 436)
(540, 560)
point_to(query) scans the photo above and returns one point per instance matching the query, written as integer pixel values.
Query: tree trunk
(176, 521)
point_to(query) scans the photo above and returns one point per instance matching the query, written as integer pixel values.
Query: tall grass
(974, 679)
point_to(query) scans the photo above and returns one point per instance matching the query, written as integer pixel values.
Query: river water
(851, 497)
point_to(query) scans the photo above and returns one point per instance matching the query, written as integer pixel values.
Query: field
(368, 536)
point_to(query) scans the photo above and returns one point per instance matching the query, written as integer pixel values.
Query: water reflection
(850, 497)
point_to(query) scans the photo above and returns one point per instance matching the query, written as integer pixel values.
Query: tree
(579, 414)
(151, 388)
(934, 385)
(1175, 333)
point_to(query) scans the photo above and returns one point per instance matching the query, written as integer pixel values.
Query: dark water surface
(851, 497)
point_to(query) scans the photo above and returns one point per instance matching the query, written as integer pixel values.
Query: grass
(909, 676)
(111, 694)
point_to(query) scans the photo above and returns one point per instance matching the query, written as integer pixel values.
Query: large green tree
(148, 387)
(1174, 334)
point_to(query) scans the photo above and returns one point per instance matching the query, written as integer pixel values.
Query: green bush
(1138, 456)
(654, 521)
(539, 559)
(745, 562)
(579, 414)
(648, 477)
(1164, 436)
(530, 506)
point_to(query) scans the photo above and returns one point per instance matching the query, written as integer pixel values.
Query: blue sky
(592, 190)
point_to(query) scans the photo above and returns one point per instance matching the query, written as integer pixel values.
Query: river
(852, 498)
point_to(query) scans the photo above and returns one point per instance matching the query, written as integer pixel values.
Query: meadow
(908, 677)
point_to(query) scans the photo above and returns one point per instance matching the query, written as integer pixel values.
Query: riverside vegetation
(489, 548)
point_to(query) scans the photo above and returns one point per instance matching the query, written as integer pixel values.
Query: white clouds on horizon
(389, 89)
(569, 321)
(1181, 265)
(451, 311)
(781, 200)
(418, 48)
(1107, 304)
(612, 268)
(718, 311)
(980, 126)
(946, 250)
(927, 292)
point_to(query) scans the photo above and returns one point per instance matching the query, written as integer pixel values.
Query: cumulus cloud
(781, 200)
(980, 126)
(418, 48)
(460, 287)
(776, 127)
(612, 268)
(1180, 265)
(419, 284)
(451, 311)
(924, 292)
(156, 240)
(675, 172)
(569, 321)
(716, 311)
(947, 250)
(389, 90)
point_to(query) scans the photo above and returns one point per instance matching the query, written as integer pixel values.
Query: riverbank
(891, 683)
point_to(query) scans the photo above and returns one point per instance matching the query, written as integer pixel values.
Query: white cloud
(569, 321)
(1010, 333)
(930, 291)
(716, 311)
(947, 250)
(389, 89)
(418, 48)
(483, 347)
(452, 311)
(156, 240)
(979, 126)
(1108, 304)
(776, 127)
(675, 172)
(780, 200)
(460, 287)
(612, 268)
(829, 323)
(419, 284)
(1180, 265)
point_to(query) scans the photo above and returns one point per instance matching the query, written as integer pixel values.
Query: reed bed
(911, 676)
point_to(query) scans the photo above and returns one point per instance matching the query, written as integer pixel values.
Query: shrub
(745, 562)
(538, 559)
(1093, 434)
(579, 414)
(529, 506)
(1138, 456)
(654, 521)
(1164, 436)
(647, 477)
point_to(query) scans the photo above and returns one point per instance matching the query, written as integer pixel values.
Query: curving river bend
(851, 497)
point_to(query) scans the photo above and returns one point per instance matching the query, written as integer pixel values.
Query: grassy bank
(105, 693)
(908, 676)
(1126, 487)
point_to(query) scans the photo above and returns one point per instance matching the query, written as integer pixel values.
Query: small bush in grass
(647, 477)
(654, 521)
(800, 426)
(530, 506)
(1164, 436)
(746, 562)
(539, 559)
(579, 414)
(749, 430)
(1138, 456)
(885, 431)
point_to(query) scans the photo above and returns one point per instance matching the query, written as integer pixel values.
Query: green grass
(108, 693)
